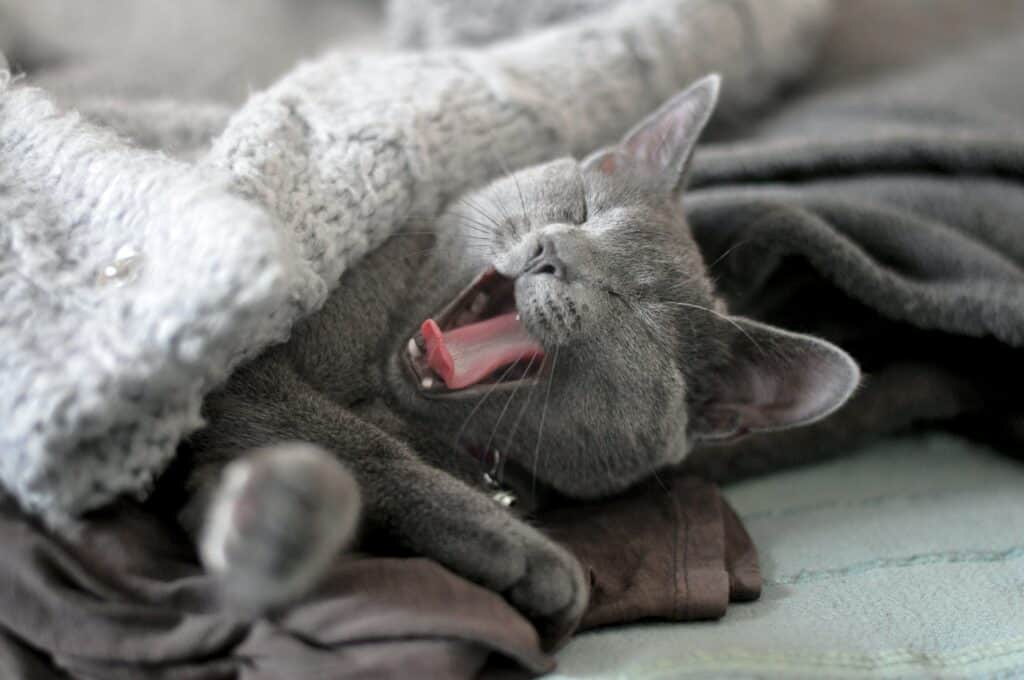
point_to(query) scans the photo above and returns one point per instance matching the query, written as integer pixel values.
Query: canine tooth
(504, 498)
(517, 318)
(427, 383)
(414, 349)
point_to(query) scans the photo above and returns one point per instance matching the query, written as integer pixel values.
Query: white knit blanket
(132, 280)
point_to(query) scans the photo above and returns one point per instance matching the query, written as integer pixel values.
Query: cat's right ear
(660, 148)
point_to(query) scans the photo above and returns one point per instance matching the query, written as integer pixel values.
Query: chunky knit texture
(131, 283)
(443, 23)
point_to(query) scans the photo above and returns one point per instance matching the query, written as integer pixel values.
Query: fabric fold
(670, 549)
(125, 596)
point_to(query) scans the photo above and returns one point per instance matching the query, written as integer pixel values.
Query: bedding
(903, 561)
(125, 597)
(884, 217)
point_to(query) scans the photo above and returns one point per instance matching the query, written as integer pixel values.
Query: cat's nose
(545, 260)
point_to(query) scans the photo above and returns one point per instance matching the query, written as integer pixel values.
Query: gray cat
(561, 316)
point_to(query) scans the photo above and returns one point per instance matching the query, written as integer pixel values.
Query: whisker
(500, 205)
(483, 213)
(727, 253)
(471, 237)
(723, 317)
(508, 402)
(472, 247)
(522, 413)
(645, 315)
(479, 227)
(468, 220)
(540, 429)
(657, 478)
(462, 430)
(519, 190)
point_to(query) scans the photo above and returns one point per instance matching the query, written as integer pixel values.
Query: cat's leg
(426, 509)
(275, 521)
(441, 517)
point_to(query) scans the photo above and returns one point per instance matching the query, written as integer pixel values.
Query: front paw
(552, 590)
(537, 576)
(277, 520)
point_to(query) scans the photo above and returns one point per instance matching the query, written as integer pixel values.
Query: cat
(558, 322)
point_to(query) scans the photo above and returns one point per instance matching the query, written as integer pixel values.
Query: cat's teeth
(479, 303)
(427, 383)
(518, 318)
(414, 349)
(504, 498)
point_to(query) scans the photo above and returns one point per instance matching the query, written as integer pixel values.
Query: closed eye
(614, 293)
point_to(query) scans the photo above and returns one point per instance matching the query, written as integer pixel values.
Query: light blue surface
(905, 560)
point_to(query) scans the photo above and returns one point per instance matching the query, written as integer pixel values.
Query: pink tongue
(464, 356)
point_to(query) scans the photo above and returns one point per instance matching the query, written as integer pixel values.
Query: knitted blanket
(133, 279)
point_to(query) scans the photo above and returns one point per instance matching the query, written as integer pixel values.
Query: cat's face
(589, 347)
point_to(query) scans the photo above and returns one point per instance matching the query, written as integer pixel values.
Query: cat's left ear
(660, 148)
(774, 380)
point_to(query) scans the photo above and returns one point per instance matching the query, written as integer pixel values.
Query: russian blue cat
(558, 326)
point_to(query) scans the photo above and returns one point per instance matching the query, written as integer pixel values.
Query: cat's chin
(579, 478)
(582, 488)
(474, 345)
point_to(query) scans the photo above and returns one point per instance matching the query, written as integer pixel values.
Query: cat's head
(590, 347)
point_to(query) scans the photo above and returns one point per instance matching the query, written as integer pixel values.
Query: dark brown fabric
(125, 598)
(670, 549)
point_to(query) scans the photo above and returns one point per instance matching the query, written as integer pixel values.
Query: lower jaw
(531, 493)
(400, 385)
(413, 378)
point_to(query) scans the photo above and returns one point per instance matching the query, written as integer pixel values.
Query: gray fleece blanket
(886, 217)
(132, 280)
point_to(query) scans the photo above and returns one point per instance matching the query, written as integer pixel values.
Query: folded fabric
(885, 217)
(671, 549)
(125, 597)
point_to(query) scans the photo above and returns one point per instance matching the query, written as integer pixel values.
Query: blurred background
(84, 49)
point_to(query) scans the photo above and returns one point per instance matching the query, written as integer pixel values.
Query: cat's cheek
(675, 424)
(678, 446)
(532, 301)
(593, 318)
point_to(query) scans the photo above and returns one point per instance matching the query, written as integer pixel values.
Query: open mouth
(476, 340)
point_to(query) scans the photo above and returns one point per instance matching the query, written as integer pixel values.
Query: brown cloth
(126, 598)
(671, 550)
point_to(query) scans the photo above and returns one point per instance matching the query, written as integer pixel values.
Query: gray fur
(641, 362)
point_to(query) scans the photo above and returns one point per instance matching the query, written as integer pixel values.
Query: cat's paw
(469, 533)
(536, 575)
(552, 590)
(278, 518)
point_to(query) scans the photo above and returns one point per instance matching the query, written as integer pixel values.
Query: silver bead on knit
(125, 267)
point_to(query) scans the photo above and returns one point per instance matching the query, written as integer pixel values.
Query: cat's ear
(775, 379)
(660, 148)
